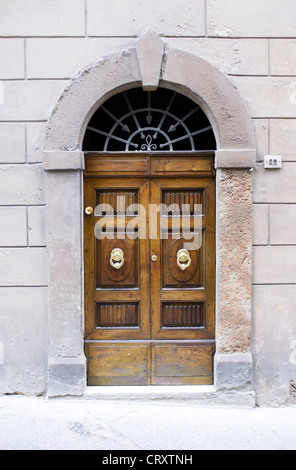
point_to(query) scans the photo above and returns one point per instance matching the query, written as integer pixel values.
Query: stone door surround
(150, 63)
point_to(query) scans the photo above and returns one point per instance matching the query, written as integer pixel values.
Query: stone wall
(42, 46)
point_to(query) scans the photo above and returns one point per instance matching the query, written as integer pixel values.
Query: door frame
(64, 163)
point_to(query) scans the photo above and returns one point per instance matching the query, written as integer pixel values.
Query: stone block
(37, 226)
(283, 224)
(65, 270)
(71, 160)
(13, 226)
(275, 186)
(24, 338)
(13, 143)
(66, 56)
(66, 376)
(23, 267)
(231, 56)
(43, 18)
(273, 97)
(274, 264)
(283, 57)
(274, 333)
(150, 50)
(132, 18)
(250, 18)
(29, 100)
(22, 184)
(234, 158)
(35, 141)
(233, 371)
(260, 224)
(283, 138)
(12, 68)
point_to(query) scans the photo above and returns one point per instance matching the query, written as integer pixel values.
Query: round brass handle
(183, 259)
(89, 210)
(117, 258)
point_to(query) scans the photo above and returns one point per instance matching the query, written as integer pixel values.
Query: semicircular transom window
(137, 120)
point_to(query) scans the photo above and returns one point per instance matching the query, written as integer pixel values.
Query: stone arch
(148, 64)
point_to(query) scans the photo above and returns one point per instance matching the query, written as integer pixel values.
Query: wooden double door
(149, 235)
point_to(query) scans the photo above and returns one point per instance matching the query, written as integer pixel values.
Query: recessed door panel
(109, 254)
(190, 273)
(117, 276)
(183, 315)
(118, 364)
(183, 279)
(117, 315)
(182, 364)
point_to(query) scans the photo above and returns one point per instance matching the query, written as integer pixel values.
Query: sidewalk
(66, 424)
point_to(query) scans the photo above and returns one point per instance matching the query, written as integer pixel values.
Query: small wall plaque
(273, 161)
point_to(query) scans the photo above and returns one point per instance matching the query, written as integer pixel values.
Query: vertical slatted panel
(117, 315)
(119, 201)
(182, 315)
(181, 198)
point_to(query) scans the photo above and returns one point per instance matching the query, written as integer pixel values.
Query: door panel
(172, 275)
(180, 165)
(149, 272)
(127, 275)
(182, 364)
(182, 315)
(186, 296)
(120, 315)
(118, 364)
(117, 300)
(133, 165)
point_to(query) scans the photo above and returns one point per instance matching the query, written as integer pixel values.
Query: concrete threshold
(192, 394)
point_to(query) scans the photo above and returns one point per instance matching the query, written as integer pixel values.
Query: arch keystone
(150, 51)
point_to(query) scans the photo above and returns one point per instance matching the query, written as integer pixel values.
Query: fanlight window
(161, 120)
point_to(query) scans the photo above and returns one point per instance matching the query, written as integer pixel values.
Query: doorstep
(195, 394)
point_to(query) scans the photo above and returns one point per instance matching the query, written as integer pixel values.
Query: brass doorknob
(89, 210)
(154, 257)
(117, 258)
(183, 259)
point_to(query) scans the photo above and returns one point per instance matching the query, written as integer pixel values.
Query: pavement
(31, 423)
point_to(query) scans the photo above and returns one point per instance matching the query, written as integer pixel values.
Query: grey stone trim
(66, 376)
(233, 371)
(150, 52)
(235, 158)
(63, 160)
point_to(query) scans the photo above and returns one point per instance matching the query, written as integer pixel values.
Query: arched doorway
(149, 225)
(151, 64)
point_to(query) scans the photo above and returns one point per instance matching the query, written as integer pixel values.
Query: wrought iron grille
(162, 120)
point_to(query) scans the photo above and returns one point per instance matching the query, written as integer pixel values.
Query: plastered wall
(43, 44)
